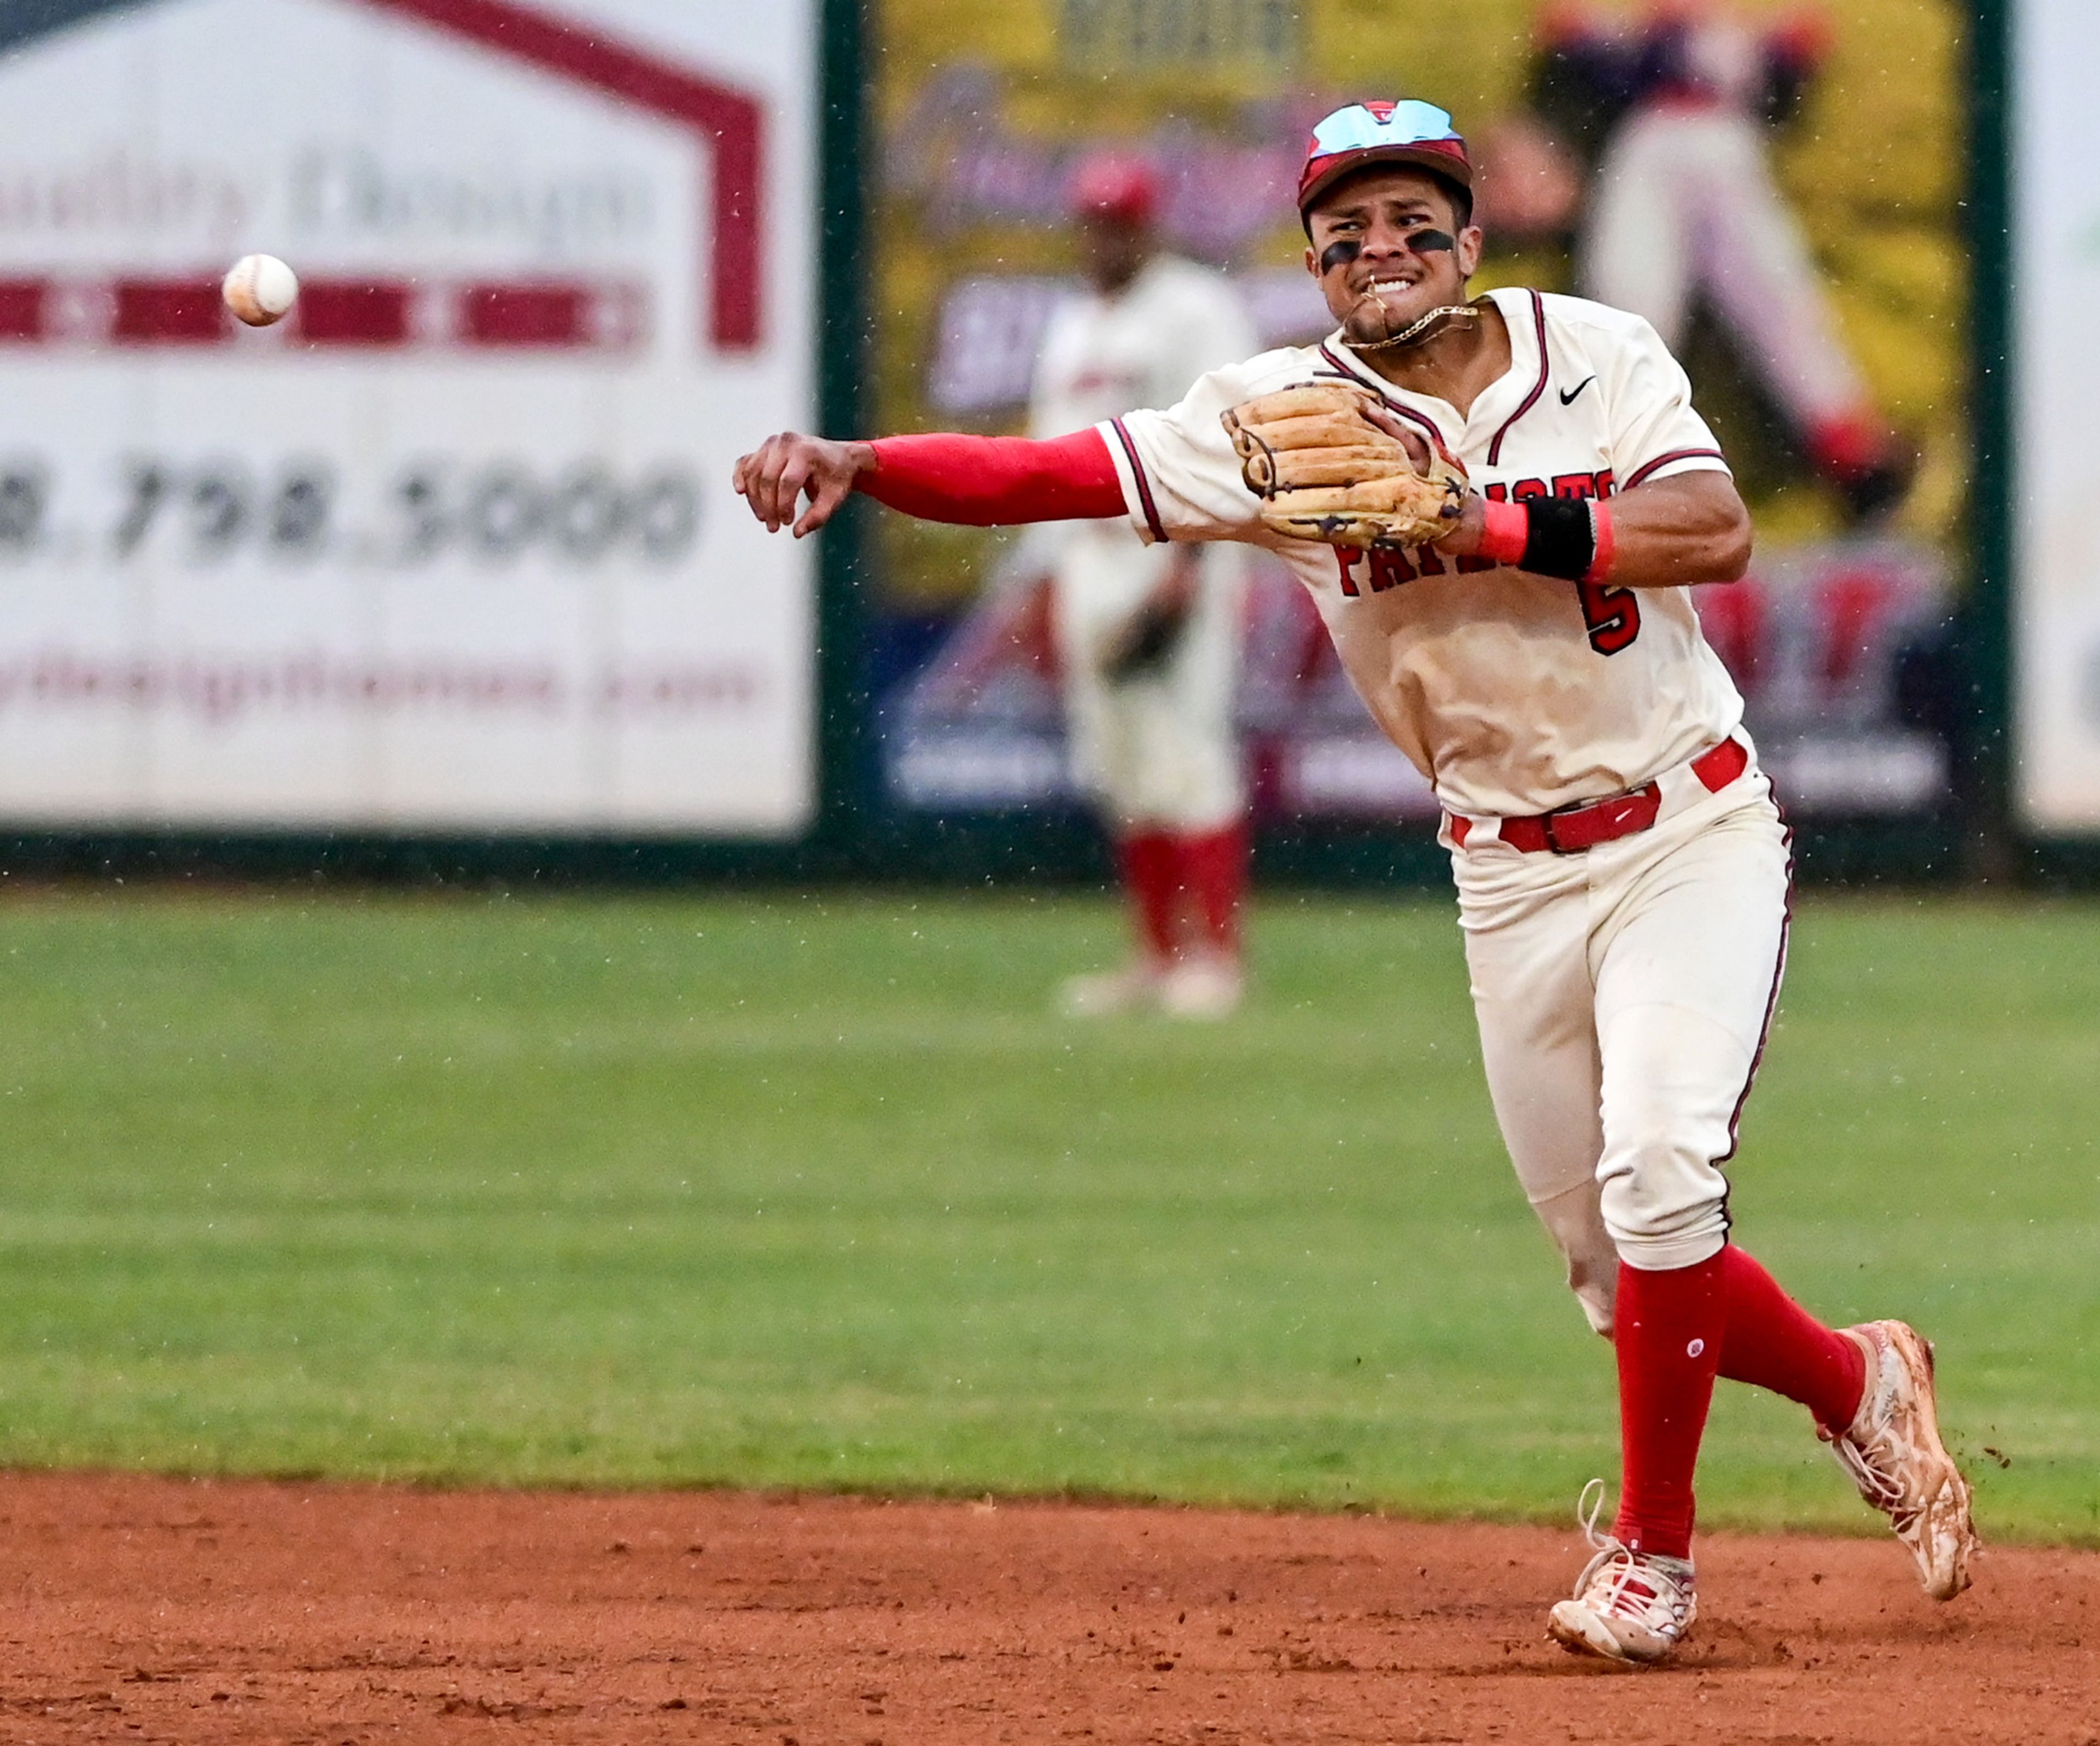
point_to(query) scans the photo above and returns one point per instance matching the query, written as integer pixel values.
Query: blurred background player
(1149, 636)
(1676, 108)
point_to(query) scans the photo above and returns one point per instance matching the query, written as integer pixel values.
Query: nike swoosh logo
(1567, 394)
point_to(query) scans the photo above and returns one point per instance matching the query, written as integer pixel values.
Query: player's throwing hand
(774, 476)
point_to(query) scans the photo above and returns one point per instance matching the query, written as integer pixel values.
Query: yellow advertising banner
(1776, 187)
(983, 111)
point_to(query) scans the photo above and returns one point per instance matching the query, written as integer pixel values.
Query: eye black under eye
(1339, 253)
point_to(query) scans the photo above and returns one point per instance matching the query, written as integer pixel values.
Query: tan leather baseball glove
(1324, 471)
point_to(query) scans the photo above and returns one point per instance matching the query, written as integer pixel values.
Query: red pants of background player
(1185, 890)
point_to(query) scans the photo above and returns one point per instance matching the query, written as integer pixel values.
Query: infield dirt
(140, 1608)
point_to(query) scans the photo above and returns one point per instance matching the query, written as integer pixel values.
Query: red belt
(1567, 830)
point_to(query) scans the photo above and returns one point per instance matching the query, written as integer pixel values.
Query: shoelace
(1864, 1461)
(1640, 1592)
(1874, 1462)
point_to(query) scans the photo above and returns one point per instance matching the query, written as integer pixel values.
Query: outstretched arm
(978, 481)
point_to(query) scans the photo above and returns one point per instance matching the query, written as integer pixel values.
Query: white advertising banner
(453, 546)
(2056, 276)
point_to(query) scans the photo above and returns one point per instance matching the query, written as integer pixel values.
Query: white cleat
(1100, 993)
(1893, 1452)
(1210, 987)
(1633, 1607)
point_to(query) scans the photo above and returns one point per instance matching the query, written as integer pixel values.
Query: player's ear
(1311, 262)
(1473, 241)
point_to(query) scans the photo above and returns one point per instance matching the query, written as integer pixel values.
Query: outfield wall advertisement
(2057, 423)
(452, 548)
(1782, 186)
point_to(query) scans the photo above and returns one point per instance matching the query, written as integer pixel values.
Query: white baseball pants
(1623, 995)
(1158, 751)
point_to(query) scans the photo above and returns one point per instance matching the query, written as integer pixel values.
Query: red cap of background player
(1383, 132)
(1115, 185)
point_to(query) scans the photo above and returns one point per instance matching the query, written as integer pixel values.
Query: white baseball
(259, 288)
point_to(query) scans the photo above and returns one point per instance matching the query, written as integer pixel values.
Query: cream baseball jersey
(1102, 356)
(1513, 693)
(1172, 324)
(1162, 753)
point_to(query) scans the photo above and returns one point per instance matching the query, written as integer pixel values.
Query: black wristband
(1562, 539)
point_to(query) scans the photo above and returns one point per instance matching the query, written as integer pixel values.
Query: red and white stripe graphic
(377, 313)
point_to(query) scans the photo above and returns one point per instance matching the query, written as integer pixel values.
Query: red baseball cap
(1115, 185)
(1407, 132)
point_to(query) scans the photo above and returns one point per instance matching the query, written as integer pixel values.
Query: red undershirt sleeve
(996, 481)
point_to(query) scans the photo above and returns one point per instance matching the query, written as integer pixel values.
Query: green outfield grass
(815, 1192)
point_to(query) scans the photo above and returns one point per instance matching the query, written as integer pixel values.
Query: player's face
(1114, 249)
(1387, 249)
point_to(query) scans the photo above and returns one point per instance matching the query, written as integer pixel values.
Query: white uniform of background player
(1157, 750)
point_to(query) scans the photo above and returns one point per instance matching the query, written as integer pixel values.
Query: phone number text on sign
(207, 511)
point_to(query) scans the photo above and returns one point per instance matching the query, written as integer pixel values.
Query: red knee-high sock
(1152, 877)
(1667, 1330)
(1675, 1332)
(1214, 867)
(1773, 1342)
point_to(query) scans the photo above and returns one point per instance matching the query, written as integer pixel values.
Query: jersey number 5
(1612, 615)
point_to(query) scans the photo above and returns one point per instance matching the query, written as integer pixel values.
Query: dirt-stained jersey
(1513, 693)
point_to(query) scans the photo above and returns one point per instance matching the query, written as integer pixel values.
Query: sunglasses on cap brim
(1356, 129)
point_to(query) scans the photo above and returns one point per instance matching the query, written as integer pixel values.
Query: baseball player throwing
(1148, 633)
(1498, 506)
